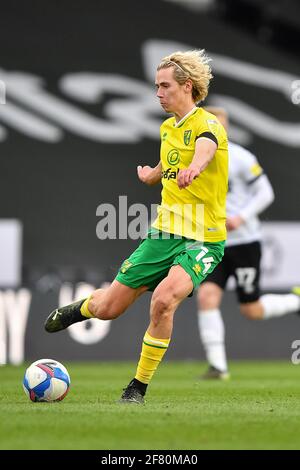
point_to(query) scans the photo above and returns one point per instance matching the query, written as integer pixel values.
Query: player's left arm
(204, 153)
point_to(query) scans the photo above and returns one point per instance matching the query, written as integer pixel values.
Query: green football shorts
(150, 263)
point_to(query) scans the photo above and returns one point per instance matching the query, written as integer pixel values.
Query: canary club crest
(187, 137)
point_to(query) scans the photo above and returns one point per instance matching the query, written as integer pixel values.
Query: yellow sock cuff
(84, 309)
(156, 342)
(153, 350)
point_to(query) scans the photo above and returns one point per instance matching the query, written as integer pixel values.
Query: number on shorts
(245, 278)
(206, 261)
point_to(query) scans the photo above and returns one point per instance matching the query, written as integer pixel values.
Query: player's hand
(145, 173)
(186, 177)
(234, 222)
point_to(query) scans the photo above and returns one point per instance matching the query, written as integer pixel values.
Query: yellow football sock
(84, 309)
(153, 351)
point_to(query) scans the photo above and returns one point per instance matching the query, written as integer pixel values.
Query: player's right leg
(167, 296)
(211, 329)
(105, 304)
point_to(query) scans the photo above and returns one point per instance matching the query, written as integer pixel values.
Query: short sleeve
(211, 129)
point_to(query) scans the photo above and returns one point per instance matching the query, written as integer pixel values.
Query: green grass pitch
(259, 408)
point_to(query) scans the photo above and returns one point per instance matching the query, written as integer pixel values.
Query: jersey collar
(182, 120)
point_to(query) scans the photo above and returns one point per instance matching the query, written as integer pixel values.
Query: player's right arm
(149, 175)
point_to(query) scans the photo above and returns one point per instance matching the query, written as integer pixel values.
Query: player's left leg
(105, 304)
(135, 276)
(252, 304)
(271, 306)
(165, 299)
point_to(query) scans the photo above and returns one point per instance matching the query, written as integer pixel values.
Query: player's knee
(209, 296)
(251, 311)
(163, 305)
(160, 305)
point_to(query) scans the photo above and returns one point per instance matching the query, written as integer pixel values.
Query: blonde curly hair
(193, 65)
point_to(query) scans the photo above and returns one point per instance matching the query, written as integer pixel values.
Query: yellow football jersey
(198, 211)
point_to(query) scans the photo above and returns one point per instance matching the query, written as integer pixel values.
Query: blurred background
(78, 113)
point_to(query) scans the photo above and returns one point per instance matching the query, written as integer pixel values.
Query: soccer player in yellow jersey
(186, 241)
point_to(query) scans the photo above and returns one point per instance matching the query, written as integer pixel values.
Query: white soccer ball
(46, 380)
